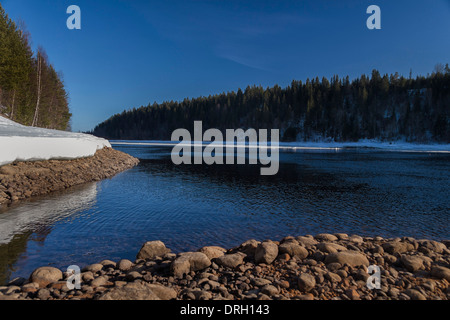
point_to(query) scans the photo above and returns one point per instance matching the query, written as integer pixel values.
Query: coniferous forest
(31, 91)
(383, 107)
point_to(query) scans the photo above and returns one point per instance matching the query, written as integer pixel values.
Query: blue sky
(132, 53)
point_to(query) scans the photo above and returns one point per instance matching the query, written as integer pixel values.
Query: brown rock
(266, 252)
(231, 260)
(441, 272)
(213, 252)
(124, 265)
(189, 261)
(293, 249)
(351, 258)
(152, 249)
(325, 237)
(43, 276)
(411, 263)
(394, 247)
(306, 282)
(415, 295)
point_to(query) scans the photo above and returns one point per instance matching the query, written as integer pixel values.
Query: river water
(361, 191)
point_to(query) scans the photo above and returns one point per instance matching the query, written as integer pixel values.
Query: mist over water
(356, 191)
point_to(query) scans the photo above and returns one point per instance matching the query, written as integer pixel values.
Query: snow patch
(23, 143)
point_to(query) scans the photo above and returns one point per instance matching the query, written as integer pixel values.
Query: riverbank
(24, 179)
(321, 267)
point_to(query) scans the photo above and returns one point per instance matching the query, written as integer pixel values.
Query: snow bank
(22, 143)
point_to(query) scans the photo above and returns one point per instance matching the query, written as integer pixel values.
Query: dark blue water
(355, 191)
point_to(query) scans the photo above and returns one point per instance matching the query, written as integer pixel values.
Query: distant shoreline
(21, 180)
(395, 146)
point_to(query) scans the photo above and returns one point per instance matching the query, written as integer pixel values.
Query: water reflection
(33, 220)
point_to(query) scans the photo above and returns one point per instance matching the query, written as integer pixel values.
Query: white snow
(396, 146)
(22, 143)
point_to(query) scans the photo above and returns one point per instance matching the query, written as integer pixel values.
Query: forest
(383, 107)
(32, 92)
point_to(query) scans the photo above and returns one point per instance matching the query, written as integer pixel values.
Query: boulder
(266, 252)
(152, 249)
(351, 258)
(189, 261)
(45, 275)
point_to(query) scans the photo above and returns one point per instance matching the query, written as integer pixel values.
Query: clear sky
(132, 53)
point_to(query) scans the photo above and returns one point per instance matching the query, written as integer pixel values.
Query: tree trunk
(39, 74)
(12, 105)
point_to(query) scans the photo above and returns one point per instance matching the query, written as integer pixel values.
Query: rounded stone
(46, 275)
(266, 252)
(152, 249)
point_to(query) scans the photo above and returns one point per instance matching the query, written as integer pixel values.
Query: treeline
(388, 107)
(31, 91)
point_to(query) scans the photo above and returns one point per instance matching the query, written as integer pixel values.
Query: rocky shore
(321, 267)
(21, 180)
